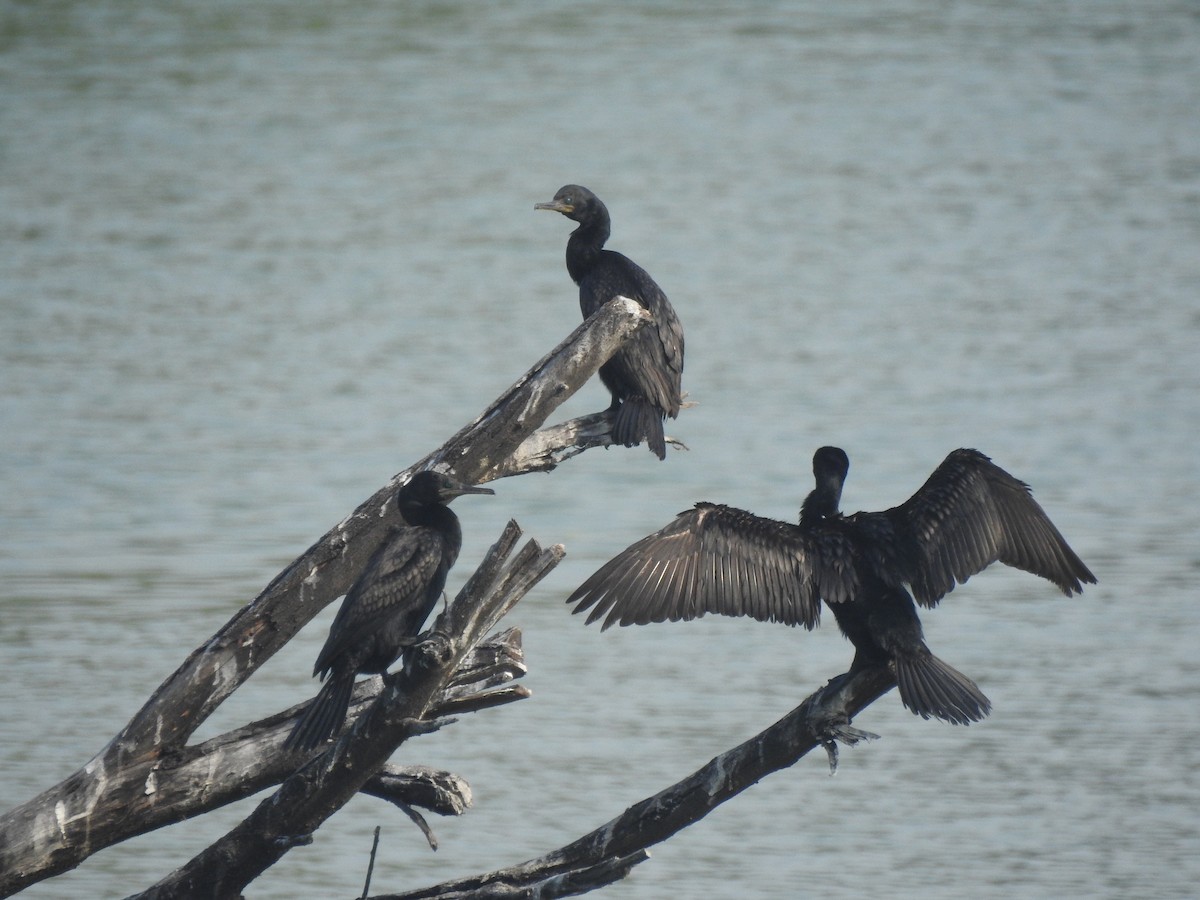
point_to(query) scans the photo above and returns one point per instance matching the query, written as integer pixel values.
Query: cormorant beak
(462, 488)
(555, 206)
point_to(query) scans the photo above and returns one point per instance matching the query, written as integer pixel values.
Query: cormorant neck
(584, 246)
(820, 504)
(433, 515)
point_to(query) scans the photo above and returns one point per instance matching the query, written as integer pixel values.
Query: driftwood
(323, 785)
(148, 774)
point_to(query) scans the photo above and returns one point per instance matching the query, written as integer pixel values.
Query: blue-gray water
(257, 257)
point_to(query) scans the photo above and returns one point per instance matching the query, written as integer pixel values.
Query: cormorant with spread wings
(868, 568)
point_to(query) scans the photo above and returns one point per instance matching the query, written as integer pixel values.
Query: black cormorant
(968, 514)
(384, 609)
(644, 376)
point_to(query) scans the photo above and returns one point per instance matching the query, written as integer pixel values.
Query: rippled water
(255, 258)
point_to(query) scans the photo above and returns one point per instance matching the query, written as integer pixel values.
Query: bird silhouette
(868, 568)
(384, 609)
(645, 375)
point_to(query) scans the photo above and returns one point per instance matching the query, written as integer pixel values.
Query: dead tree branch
(322, 786)
(147, 765)
(821, 720)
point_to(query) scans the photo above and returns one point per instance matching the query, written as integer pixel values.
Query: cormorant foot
(676, 443)
(829, 722)
(831, 732)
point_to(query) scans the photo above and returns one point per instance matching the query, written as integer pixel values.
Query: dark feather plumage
(717, 559)
(645, 376)
(710, 559)
(386, 606)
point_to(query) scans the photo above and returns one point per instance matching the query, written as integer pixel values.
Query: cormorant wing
(969, 514)
(709, 559)
(670, 335)
(396, 579)
(662, 384)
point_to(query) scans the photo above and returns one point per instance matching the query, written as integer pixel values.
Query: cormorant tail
(932, 688)
(324, 715)
(637, 420)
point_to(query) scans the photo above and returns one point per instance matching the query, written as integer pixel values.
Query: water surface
(256, 258)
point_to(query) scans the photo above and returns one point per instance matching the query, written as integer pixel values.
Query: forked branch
(145, 766)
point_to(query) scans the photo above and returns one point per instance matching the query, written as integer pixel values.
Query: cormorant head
(575, 202)
(830, 465)
(427, 488)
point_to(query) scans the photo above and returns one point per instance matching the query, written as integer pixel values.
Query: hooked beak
(555, 206)
(461, 487)
(475, 489)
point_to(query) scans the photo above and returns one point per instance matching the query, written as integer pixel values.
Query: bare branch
(569, 883)
(821, 720)
(545, 449)
(115, 795)
(322, 786)
(239, 763)
(326, 570)
(441, 792)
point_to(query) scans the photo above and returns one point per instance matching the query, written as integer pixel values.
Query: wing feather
(969, 514)
(709, 559)
(394, 582)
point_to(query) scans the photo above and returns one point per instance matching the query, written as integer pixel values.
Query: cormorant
(384, 609)
(644, 376)
(968, 514)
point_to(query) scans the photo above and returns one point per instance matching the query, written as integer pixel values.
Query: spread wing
(709, 559)
(396, 583)
(969, 514)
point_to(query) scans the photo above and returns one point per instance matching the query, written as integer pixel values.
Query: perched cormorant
(968, 514)
(644, 376)
(384, 609)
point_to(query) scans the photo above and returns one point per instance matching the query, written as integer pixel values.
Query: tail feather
(934, 689)
(637, 419)
(324, 715)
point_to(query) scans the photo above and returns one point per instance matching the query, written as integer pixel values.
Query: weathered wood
(326, 570)
(160, 791)
(568, 883)
(147, 775)
(90, 810)
(322, 786)
(444, 793)
(546, 448)
(821, 720)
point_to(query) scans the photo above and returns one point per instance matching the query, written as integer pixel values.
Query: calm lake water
(257, 257)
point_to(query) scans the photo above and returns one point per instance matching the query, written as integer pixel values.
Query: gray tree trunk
(149, 776)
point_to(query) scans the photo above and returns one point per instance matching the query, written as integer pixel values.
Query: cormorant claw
(831, 725)
(832, 732)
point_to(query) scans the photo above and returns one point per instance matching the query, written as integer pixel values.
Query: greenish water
(255, 258)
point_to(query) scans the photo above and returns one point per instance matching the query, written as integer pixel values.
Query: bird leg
(675, 442)
(829, 721)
